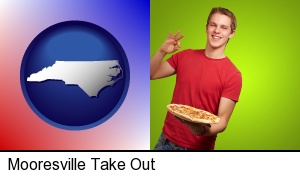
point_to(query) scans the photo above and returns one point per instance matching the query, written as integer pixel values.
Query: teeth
(215, 37)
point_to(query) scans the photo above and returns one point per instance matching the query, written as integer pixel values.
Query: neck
(215, 53)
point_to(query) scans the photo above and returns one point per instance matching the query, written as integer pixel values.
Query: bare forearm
(213, 130)
(205, 129)
(210, 130)
(155, 62)
(225, 110)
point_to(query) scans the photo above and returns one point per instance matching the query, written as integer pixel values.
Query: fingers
(196, 125)
(174, 45)
(180, 119)
(170, 35)
(178, 37)
(171, 41)
(175, 36)
(178, 44)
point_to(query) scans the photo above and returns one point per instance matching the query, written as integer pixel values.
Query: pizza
(192, 114)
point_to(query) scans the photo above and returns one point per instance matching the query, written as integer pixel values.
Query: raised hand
(172, 43)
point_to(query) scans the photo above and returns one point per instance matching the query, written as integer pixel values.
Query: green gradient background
(265, 48)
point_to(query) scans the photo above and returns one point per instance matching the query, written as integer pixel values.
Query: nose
(217, 30)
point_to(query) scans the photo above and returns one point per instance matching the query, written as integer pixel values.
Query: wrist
(161, 52)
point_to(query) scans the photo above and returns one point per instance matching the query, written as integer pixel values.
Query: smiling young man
(205, 79)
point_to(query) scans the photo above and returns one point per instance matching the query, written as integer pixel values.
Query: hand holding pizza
(198, 129)
(197, 120)
(172, 43)
(192, 114)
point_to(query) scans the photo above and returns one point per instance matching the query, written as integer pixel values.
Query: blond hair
(226, 12)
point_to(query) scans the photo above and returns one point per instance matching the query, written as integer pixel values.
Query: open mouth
(216, 37)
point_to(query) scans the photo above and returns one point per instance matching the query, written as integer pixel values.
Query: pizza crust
(192, 114)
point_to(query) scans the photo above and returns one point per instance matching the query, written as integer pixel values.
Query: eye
(224, 27)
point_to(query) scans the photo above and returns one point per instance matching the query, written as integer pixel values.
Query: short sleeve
(174, 59)
(232, 87)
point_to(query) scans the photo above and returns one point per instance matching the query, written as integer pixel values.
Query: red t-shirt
(200, 82)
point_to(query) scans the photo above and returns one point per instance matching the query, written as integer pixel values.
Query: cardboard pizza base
(199, 119)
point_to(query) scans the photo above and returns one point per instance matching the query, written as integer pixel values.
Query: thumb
(178, 44)
(176, 47)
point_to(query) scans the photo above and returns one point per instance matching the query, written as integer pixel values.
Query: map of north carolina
(90, 76)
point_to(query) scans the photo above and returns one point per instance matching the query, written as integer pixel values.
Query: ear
(232, 34)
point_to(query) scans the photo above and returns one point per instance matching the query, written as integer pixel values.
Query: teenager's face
(218, 30)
